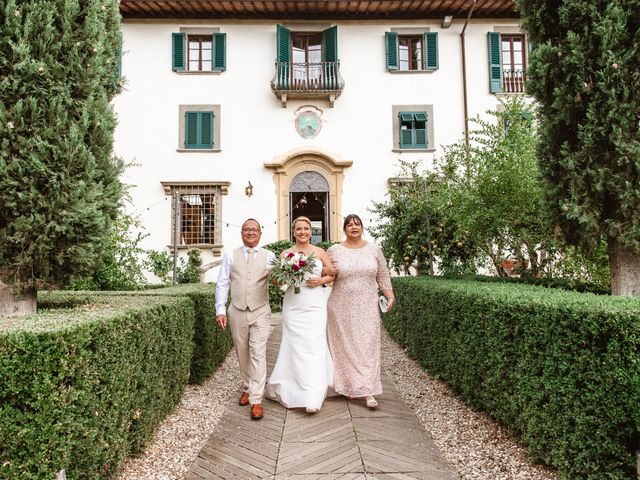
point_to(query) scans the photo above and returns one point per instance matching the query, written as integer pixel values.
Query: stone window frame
(411, 32)
(182, 110)
(200, 32)
(395, 110)
(215, 188)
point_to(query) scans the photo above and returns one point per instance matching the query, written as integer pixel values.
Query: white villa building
(274, 109)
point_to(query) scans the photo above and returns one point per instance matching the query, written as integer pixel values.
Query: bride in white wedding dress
(304, 370)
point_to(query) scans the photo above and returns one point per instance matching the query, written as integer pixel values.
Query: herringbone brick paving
(345, 440)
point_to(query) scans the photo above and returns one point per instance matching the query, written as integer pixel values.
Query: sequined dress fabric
(353, 324)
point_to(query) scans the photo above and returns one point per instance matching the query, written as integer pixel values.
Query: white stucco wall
(256, 129)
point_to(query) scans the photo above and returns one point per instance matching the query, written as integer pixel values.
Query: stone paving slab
(344, 440)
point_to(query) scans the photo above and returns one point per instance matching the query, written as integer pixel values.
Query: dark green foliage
(161, 265)
(548, 282)
(190, 272)
(275, 292)
(279, 246)
(211, 345)
(59, 186)
(584, 74)
(560, 369)
(326, 244)
(480, 205)
(418, 213)
(82, 388)
(119, 267)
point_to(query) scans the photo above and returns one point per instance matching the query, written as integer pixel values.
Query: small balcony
(513, 81)
(307, 80)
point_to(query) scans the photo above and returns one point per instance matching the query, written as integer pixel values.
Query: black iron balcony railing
(307, 80)
(513, 81)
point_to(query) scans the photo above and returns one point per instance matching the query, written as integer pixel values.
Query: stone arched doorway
(309, 170)
(309, 196)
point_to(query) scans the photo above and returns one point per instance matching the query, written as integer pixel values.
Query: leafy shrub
(563, 283)
(279, 246)
(326, 244)
(190, 273)
(82, 388)
(161, 265)
(119, 267)
(560, 369)
(211, 345)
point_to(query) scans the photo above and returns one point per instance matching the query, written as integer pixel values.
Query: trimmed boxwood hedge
(82, 388)
(211, 344)
(560, 369)
(563, 283)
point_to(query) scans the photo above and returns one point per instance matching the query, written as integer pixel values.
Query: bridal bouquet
(290, 269)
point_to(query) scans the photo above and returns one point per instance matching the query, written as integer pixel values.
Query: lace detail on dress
(354, 319)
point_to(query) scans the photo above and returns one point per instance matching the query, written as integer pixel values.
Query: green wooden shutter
(198, 130)
(219, 63)
(406, 138)
(178, 51)
(391, 41)
(330, 57)
(406, 135)
(283, 44)
(191, 130)
(421, 133)
(406, 116)
(413, 137)
(206, 129)
(495, 62)
(283, 56)
(330, 44)
(431, 55)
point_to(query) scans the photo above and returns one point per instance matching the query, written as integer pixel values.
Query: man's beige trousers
(250, 332)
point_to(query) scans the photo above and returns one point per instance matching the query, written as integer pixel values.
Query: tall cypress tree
(584, 73)
(59, 187)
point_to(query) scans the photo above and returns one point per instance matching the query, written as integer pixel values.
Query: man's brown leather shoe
(256, 411)
(244, 399)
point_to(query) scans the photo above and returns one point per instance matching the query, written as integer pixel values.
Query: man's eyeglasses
(250, 230)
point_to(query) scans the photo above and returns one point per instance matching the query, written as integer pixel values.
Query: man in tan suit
(244, 273)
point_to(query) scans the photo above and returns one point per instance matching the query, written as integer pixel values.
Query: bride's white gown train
(304, 370)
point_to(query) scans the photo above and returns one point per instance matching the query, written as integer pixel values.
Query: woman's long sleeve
(382, 277)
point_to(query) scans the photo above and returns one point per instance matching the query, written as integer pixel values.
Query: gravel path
(182, 435)
(470, 441)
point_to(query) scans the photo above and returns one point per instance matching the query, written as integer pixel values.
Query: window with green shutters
(412, 52)
(198, 130)
(198, 53)
(413, 129)
(306, 58)
(507, 62)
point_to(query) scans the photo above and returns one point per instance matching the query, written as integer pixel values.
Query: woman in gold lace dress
(353, 316)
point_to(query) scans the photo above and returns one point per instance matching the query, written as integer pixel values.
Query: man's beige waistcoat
(249, 289)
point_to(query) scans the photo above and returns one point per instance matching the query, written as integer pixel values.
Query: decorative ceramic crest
(308, 121)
